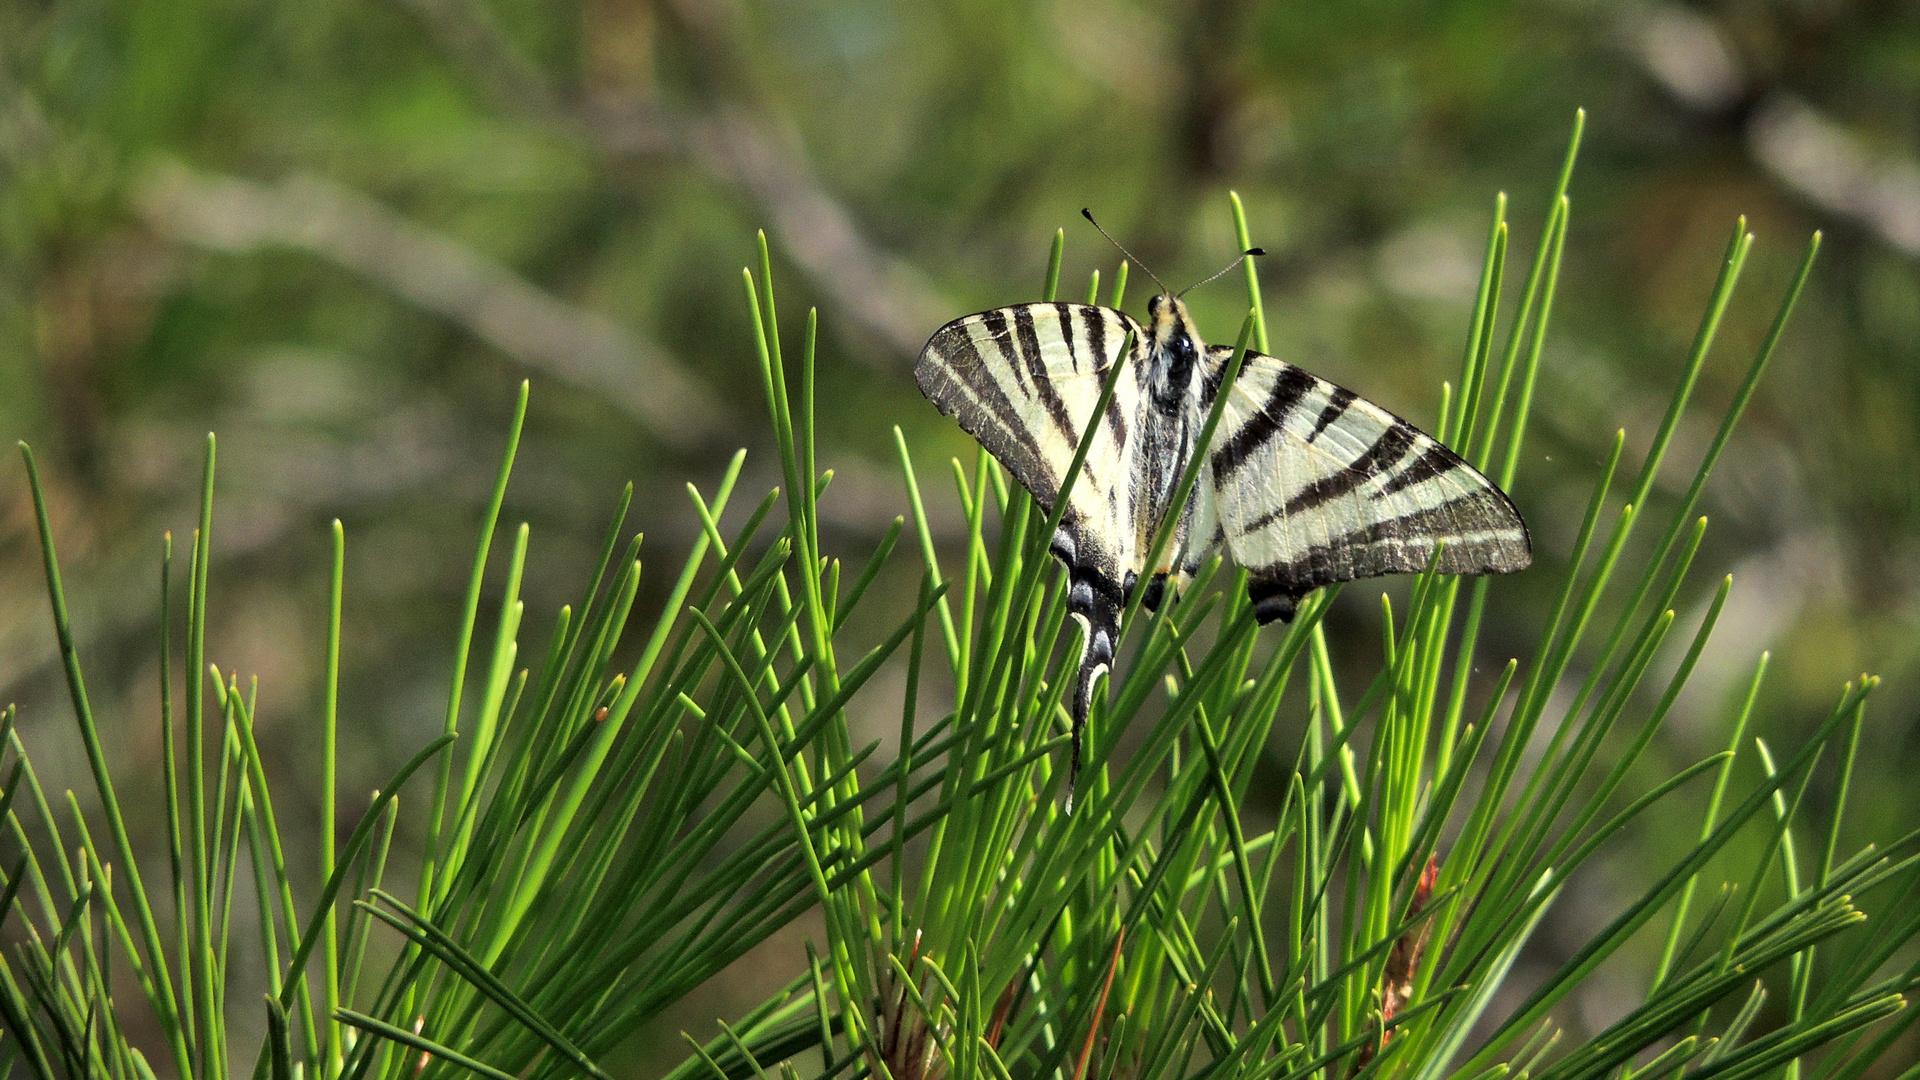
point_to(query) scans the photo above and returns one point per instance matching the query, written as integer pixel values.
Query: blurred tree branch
(1692, 57)
(574, 345)
(1830, 166)
(883, 294)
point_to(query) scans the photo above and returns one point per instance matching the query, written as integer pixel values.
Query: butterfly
(1304, 483)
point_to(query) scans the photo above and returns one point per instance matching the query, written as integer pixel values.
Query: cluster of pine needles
(597, 844)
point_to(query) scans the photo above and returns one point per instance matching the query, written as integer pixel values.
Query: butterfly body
(1304, 484)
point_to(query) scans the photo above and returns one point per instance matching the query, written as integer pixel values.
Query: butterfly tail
(1098, 613)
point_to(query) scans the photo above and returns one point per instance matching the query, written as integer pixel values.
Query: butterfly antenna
(1244, 256)
(1088, 214)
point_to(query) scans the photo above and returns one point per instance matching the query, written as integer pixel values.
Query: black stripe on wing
(1381, 457)
(1028, 342)
(1290, 386)
(963, 383)
(1337, 405)
(1383, 512)
(1433, 460)
(1482, 532)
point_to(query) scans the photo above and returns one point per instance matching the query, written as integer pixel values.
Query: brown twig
(1099, 1007)
(1403, 961)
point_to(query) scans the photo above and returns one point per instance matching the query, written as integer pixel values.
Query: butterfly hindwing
(1309, 484)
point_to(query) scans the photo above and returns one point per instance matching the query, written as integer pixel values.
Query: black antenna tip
(1244, 256)
(1086, 213)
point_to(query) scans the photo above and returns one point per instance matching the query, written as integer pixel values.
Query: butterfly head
(1174, 339)
(1167, 316)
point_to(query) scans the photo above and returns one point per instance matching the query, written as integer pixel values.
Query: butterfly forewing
(1312, 485)
(1024, 381)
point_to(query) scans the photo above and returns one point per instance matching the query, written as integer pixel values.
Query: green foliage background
(340, 231)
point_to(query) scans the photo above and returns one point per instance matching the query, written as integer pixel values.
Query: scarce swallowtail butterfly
(1304, 484)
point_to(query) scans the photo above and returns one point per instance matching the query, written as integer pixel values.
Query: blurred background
(339, 232)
